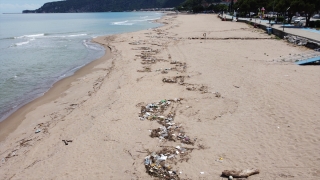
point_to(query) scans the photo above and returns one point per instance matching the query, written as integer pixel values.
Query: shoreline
(9, 124)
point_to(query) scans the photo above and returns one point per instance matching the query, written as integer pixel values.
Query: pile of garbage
(302, 42)
(296, 40)
(171, 132)
(159, 164)
(168, 130)
(154, 111)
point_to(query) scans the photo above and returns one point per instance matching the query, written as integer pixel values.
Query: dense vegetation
(102, 5)
(306, 8)
(202, 5)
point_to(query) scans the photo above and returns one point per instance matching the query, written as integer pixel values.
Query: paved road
(296, 31)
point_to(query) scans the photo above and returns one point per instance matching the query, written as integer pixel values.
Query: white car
(300, 21)
(316, 16)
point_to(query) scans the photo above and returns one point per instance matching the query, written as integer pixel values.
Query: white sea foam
(143, 20)
(152, 19)
(123, 23)
(140, 20)
(90, 45)
(84, 42)
(29, 36)
(21, 43)
(65, 36)
(75, 35)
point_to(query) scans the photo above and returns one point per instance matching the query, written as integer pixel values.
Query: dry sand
(266, 118)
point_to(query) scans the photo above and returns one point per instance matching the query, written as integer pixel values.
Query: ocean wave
(47, 35)
(153, 19)
(90, 45)
(143, 20)
(139, 20)
(66, 36)
(76, 35)
(21, 43)
(122, 23)
(29, 36)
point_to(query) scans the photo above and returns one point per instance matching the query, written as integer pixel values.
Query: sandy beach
(236, 107)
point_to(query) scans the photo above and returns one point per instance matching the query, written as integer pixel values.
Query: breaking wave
(21, 43)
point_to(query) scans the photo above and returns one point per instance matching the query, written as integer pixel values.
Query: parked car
(316, 16)
(300, 21)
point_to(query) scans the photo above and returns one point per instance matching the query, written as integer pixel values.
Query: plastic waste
(163, 157)
(147, 160)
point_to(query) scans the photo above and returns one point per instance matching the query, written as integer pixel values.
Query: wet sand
(233, 106)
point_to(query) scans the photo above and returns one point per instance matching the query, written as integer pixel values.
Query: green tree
(306, 7)
(247, 6)
(309, 8)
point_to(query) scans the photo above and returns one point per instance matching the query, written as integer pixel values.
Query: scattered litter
(66, 141)
(218, 94)
(135, 43)
(220, 160)
(201, 172)
(141, 48)
(230, 178)
(296, 40)
(240, 173)
(145, 69)
(176, 79)
(38, 130)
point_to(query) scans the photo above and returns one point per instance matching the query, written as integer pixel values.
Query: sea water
(37, 50)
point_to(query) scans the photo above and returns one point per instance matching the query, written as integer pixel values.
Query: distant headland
(79, 6)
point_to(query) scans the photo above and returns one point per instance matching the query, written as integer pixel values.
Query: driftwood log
(240, 173)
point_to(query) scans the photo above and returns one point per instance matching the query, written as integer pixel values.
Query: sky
(17, 6)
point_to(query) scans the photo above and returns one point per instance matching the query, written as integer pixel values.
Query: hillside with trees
(306, 8)
(72, 6)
